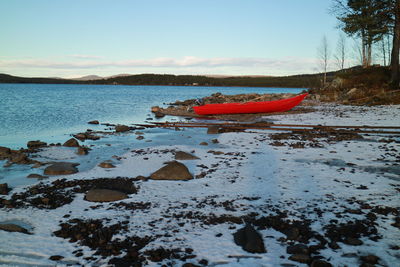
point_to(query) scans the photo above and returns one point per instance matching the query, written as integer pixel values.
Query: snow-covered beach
(323, 201)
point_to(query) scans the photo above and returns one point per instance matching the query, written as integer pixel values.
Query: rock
(353, 241)
(19, 157)
(61, 168)
(36, 144)
(37, 176)
(71, 143)
(204, 144)
(303, 258)
(94, 122)
(106, 165)
(80, 136)
(140, 137)
(4, 151)
(172, 171)
(56, 258)
(298, 249)
(181, 155)
(82, 150)
(371, 259)
(9, 227)
(4, 189)
(159, 114)
(292, 233)
(104, 195)
(155, 109)
(213, 130)
(215, 141)
(249, 239)
(87, 135)
(122, 128)
(320, 263)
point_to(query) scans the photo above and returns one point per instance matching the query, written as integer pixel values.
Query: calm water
(49, 112)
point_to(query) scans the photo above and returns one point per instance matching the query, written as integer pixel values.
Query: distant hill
(298, 81)
(5, 78)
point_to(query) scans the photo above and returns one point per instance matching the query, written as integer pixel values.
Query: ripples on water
(49, 111)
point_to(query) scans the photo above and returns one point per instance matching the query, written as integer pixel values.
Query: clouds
(240, 65)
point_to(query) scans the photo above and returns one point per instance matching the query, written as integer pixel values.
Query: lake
(49, 112)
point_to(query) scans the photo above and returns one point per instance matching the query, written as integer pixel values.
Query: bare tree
(340, 54)
(323, 57)
(358, 58)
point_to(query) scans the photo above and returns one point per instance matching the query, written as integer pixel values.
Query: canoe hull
(250, 107)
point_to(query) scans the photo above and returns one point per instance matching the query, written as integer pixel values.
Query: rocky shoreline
(236, 198)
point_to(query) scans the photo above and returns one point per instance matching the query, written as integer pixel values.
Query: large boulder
(181, 155)
(71, 143)
(249, 239)
(61, 168)
(172, 171)
(104, 195)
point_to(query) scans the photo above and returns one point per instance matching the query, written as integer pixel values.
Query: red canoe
(250, 107)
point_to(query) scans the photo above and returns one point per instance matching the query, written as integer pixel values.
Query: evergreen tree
(367, 19)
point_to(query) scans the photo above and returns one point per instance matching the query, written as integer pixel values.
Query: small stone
(36, 176)
(4, 189)
(94, 122)
(71, 143)
(292, 233)
(56, 257)
(371, 259)
(104, 195)
(9, 227)
(320, 263)
(122, 128)
(214, 141)
(204, 144)
(106, 165)
(353, 241)
(303, 258)
(140, 137)
(249, 239)
(159, 114)
(298, 249)
(82, 150)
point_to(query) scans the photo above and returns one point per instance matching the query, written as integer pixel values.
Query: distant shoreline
(295, 81)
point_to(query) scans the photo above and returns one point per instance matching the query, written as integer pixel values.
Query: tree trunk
(364, 54)
(369, 56)
(394, 63)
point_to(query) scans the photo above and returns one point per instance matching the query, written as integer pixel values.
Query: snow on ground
(337, 183)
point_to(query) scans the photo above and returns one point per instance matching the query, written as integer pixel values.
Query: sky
(74, 38)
